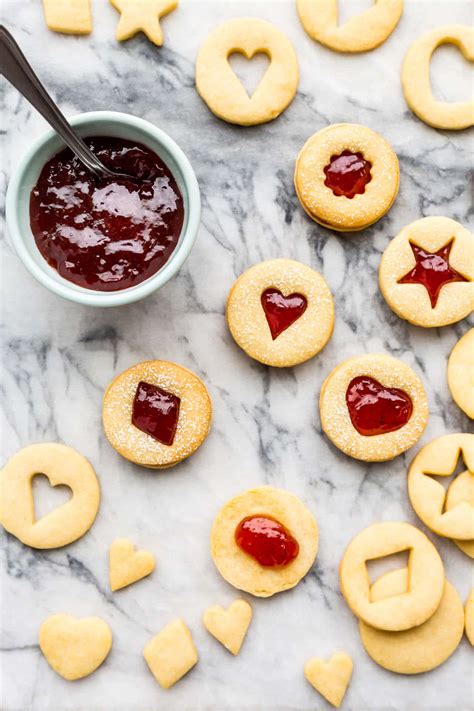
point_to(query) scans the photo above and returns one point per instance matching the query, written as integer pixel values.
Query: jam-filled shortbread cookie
(330, 678)
(421, 648)
(264, 541)
(280, 312)
(156, 413)
(62, 466)
(373, 407)
(426, 272)
(461, 373)
(222, 90)
(412, 606)
(365, 31)
(142, 16)
(461, 490)
(439, 458)
(346, 177)
(171, 653)
(416, 80)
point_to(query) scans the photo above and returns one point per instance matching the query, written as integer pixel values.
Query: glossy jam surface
(156, 412)
(432, 270)
(266, 540)
(374, 409)
(282, 311)
(107, 234)
(348, 174)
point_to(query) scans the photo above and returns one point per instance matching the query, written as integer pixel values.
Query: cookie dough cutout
(73, 647)
(361, 33)
(229, 626)
(339, 212)
(70, 17)
(222, 90)
(335, 417)
(437, 459)
(421, 648)
(469, 617)
(242, 570)
(461, 373)
(248, 322)
(425, 571)
(63, 466)
(416, 82)
(142, 16)
(454, 300)
(171, 653)
(127, 565)
(461, 489)
(194, 420)
(330, 678)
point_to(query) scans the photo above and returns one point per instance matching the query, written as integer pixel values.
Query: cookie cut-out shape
(360, 33)
(229, 626)
(171, 653)
(469, 617)
(142, 16)
(439, 458)
(330, 678)
(222, 90)
(62, 466)
(73, 647)
(127, 565)
(461, 490)
(71, 17)
(421, 648)
(416, 81)
(461, 373)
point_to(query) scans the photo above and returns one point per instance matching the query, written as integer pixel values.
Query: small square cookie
(171, 653)
(72, 17)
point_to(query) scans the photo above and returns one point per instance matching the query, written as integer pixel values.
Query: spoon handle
(16, 69)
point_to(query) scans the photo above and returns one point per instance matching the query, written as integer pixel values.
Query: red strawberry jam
(375, 409)
(348, 174)
(282, 311)
(156, 412)
(107, 234)
(266, 540)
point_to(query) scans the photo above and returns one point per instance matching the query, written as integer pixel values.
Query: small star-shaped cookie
(142, 16)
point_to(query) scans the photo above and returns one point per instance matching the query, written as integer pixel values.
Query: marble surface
(59, 357)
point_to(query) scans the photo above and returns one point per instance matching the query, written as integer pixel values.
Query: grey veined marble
(59, 357)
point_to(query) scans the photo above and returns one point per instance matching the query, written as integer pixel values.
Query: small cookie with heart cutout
(280, 312)
(127, 565)
(229, 626)
(73, 647)
(171, 653)
(330, 678)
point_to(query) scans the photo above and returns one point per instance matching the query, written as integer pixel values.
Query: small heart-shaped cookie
(127, 565)
(229, 626)
(74, 648)
(330, 678)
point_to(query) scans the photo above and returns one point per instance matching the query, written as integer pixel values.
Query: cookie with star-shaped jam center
(426, 272)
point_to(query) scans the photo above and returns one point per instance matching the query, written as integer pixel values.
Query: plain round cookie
(335, 417)
(194, 415)
(461, 373)
(461, 489)
(339, 212)
(63, 466)
(398, 612)
(421, 648)
(248, 325)
(416, 80)
(239, 568)
(439, 458)
(360, 33)
(411, 301)
(222, 90)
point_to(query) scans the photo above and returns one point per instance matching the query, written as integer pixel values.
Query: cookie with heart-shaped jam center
(330, 678)
(282, 311)
(229, 626)
(373, 407)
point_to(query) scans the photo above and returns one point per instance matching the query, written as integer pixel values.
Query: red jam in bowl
(375, 409)
(282, 311)
(107, 234)
(156, 412)
(348, 174)
(266, 540)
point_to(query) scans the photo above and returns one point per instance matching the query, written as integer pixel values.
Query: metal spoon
(16, 69)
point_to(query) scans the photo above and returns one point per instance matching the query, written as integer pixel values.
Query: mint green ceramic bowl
(25, 176)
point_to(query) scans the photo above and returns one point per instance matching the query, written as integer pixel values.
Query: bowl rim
(91, 297)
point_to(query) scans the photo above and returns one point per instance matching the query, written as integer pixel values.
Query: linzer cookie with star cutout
(426, 272)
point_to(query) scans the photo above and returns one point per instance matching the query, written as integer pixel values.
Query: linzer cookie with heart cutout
(280, 312)
(373, 407)
(156, 413)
